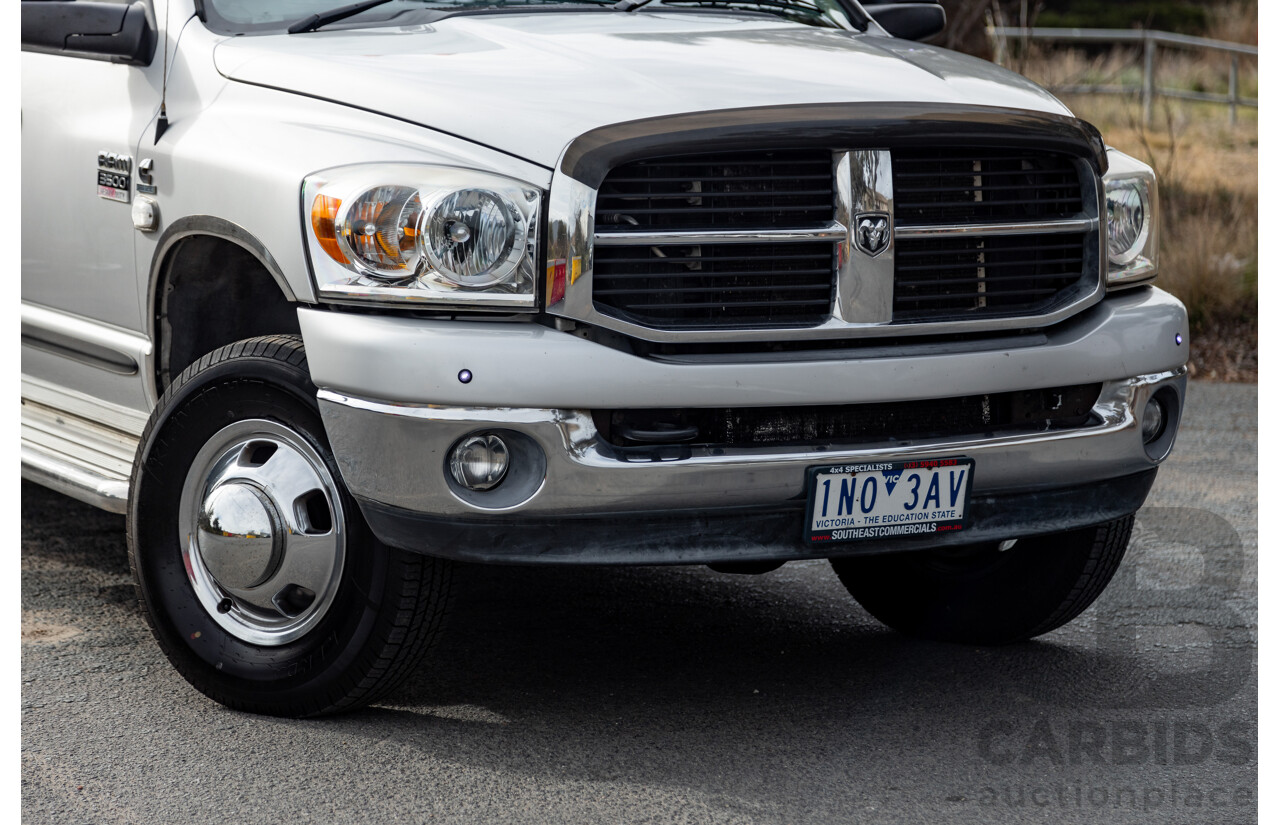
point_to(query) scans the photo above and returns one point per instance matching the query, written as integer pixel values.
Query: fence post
(1235, 86)
(1148, 79)
(996, 41)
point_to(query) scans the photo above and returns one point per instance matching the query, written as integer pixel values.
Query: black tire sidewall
(1028, 590)
(298, 678)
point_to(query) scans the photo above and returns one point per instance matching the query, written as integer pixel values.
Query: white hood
(528, 84)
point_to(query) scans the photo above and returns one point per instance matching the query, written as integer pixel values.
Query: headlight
(474, 237)
(1132, 220)
(1127, 225)
(422, 234)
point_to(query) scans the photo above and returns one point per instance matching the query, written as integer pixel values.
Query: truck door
(84, 106)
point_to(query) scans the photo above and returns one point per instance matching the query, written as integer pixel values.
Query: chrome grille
(787, 245)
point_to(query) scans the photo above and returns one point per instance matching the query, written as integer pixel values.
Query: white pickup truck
(329, 300)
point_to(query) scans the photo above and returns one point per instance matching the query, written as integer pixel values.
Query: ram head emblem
(871, 232)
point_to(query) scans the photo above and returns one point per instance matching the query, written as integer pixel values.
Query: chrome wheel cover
(262, 532)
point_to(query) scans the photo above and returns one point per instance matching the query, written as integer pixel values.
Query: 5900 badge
(851, 502)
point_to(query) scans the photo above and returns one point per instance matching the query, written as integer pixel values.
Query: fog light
(479, 462)
(1152, 421)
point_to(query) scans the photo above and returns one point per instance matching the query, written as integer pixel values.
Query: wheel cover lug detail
(263, 532)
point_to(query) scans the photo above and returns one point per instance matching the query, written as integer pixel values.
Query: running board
(76, 456)
(62, 476)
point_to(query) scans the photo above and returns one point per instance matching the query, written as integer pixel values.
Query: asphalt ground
(684, 695)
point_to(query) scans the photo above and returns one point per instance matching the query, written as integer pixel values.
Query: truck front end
(711, 315)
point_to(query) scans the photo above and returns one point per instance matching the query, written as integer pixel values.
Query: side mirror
(84, 28)
(910, 20)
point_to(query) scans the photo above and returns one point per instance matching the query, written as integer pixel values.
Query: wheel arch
(212, 282)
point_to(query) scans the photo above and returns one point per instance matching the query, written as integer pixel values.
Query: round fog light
(1152, 421)
(479, 462)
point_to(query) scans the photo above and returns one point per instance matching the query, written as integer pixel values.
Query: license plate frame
(892, 518)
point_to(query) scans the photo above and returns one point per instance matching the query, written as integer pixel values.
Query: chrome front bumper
(392, 437)
(398, 455)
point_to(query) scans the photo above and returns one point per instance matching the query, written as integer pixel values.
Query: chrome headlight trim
(406, 276)
(1140, 260)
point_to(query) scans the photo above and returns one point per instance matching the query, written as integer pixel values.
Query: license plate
(852, 502)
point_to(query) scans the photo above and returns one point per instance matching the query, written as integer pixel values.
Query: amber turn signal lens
(324, 213)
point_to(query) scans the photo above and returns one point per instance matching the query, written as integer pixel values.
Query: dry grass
(1236, 22)
(1208, 175)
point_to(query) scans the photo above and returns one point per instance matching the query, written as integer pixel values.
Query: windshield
(264, 16)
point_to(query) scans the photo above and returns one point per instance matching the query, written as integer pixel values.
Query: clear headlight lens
(1132, 220)
(422, 234)
(1126, 221)
(474, 238)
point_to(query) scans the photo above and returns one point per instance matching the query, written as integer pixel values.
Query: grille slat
(959, 296)
(988, 265)
(666, 305)
(908, 205)
(689, 260)
(707, 211)
(734, 160)
(1009, 249)
(622, 179)
(685, 194)
(1022, 279)
(932, 189)
(996, 172)
(779, 290)
(688, 276)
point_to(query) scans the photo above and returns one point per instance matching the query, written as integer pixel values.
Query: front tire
(985, 595)
(258, 575)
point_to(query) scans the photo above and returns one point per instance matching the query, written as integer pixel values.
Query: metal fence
(1150, 40)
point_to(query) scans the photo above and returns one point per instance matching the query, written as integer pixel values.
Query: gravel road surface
(684, 695)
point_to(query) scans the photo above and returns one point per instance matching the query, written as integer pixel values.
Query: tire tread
(1109, 544)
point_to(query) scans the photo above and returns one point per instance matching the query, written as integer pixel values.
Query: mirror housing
(909, 19)
(116, 32)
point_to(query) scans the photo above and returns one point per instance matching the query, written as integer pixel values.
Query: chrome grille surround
(863, 303)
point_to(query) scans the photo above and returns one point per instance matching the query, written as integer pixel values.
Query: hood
(528, 84)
